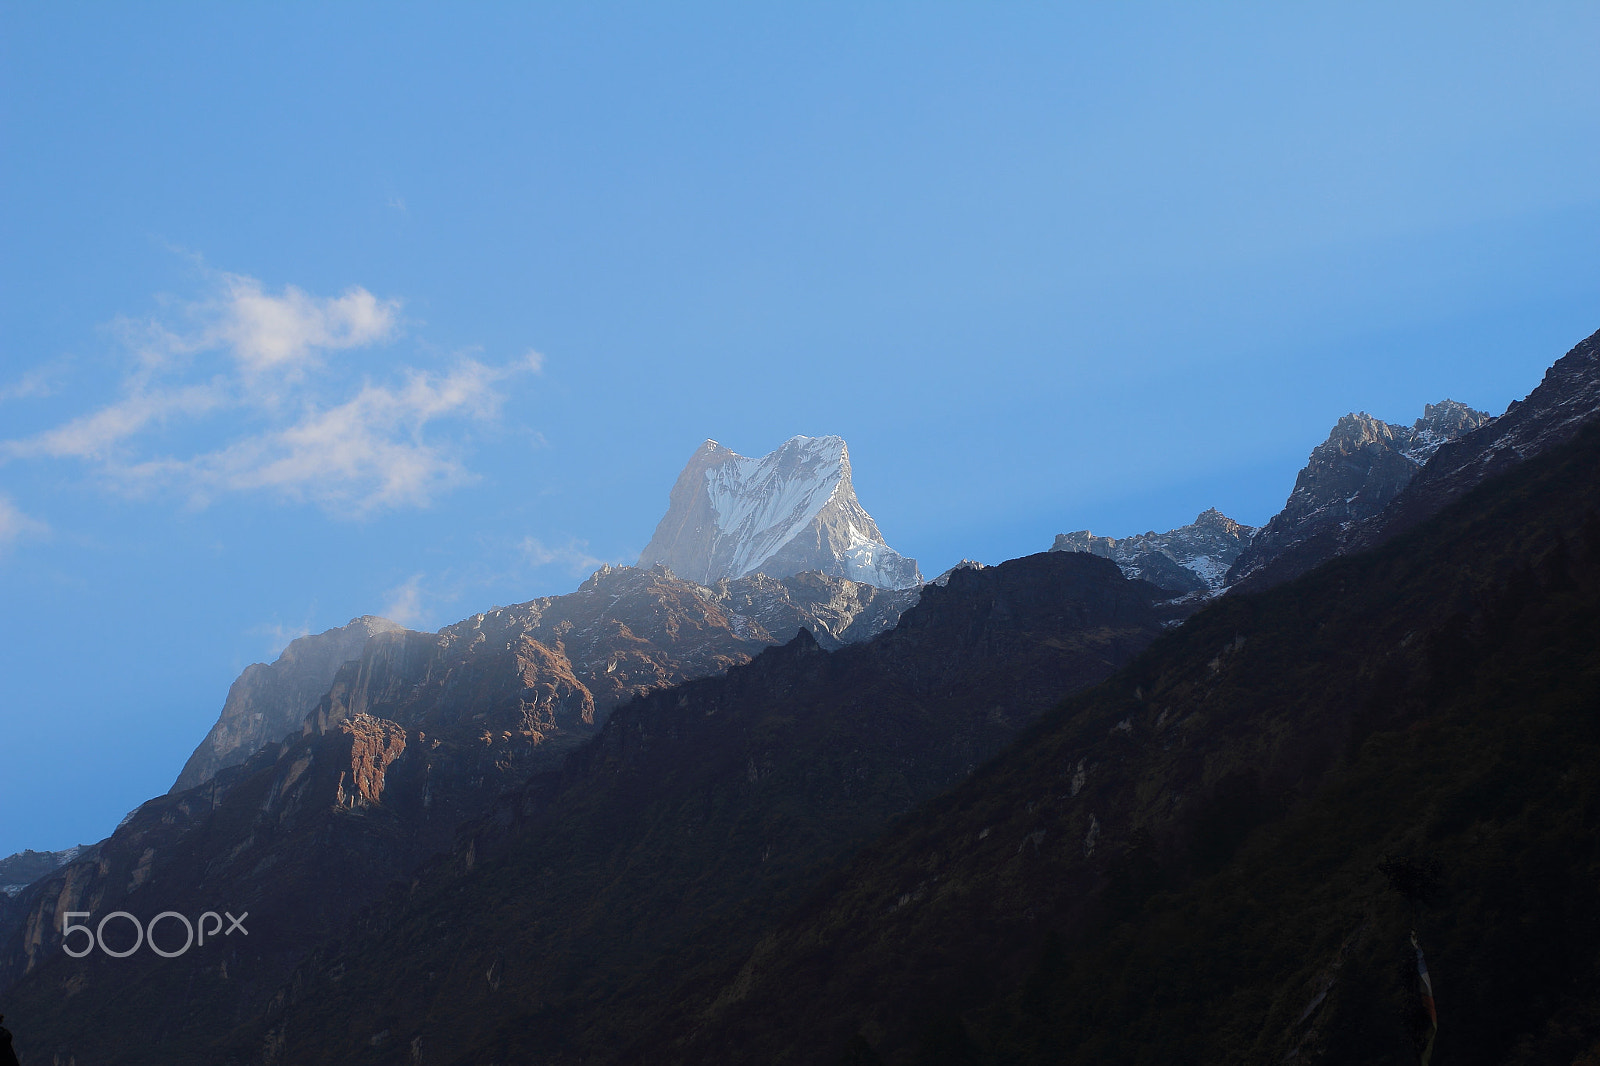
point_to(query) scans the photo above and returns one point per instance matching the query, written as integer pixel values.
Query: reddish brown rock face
(268, 701)
(551, 692)
(374, 744)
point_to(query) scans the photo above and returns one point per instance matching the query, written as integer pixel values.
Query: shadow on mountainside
(1198, 861)
(696, 817)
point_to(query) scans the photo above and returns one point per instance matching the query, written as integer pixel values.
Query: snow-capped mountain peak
(764, 503)
(791, 510)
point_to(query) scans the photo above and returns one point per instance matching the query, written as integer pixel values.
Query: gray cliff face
(1190, 558)
(1349, 479)
(787, 512)
(269, 701)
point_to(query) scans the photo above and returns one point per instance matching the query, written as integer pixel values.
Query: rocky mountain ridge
(643, 874)
(268, 701)
(1566, 400)
(1187, 559)
(697, 812)
(1226, 853)
(19, 871)
(1458, 449)
(417, 734)
(1348, 482)
(1350, 478)
(787, 512)
(1147, 786)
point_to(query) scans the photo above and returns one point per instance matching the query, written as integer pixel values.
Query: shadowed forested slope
(1218, 856)
(698, 818)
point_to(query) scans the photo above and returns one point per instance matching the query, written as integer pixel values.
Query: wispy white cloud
(404, 602)
(288, 431)
(36, 383)
(16, 526)
(278, 636)
(267, 333)
(573, 556)
(272, 339)
(368, 453)
(96, 435)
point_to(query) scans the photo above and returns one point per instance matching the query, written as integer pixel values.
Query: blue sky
(309, 311)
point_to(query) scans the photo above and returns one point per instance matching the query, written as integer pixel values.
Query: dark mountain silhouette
(1219, 855)
(417, 734)
(411, 739)
(8, 1056)
(910, 850)
(1185, 864)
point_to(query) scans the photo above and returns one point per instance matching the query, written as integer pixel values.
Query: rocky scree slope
(699, 815)
(1191, 558)
(1218, 855)
(418, 734)
(790, 511)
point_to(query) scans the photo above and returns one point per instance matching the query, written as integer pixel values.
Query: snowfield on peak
(767, 502)
(786, 512)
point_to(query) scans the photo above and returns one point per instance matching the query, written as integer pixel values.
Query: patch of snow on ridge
(1205, 547)
(872, 561)
(1211, 569)
(767, 502)
(875, 564)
